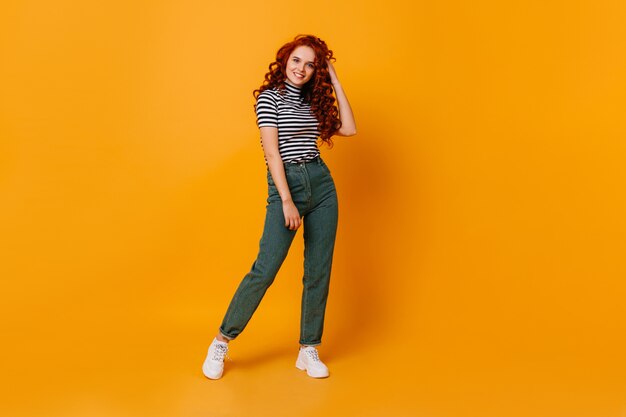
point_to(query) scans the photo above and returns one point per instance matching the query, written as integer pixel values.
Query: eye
(295, 59)
(311, 65)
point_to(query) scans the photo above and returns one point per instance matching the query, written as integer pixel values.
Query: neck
(293, 87)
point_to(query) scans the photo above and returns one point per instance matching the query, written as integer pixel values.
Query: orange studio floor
(142, 363)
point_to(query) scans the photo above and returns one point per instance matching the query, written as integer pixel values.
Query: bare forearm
(348, 125)
(277, 170)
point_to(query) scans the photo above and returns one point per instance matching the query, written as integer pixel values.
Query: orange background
(479, 267)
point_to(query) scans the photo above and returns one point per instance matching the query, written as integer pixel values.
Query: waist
(316, 160)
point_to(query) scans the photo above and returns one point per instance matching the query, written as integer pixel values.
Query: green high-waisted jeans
(313, 192)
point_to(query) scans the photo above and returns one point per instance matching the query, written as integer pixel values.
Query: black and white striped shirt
(297, 126)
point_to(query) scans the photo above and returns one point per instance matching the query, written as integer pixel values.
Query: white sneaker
(213, 366)
(309, 361)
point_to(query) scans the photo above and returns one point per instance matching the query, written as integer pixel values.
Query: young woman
(295, 108)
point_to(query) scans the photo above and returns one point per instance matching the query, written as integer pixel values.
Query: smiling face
(300, 66)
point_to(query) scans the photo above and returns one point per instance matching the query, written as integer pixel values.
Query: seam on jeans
(307, 188)
(304, 290)
(303, 327)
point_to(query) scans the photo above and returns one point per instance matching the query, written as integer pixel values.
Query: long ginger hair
(318, 91)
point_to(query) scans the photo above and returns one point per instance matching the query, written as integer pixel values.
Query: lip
(298, 75)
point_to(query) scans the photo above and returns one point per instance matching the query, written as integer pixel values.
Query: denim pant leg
(273, 249)
(320, 229)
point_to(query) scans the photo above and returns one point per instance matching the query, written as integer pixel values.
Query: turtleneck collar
(292, 89)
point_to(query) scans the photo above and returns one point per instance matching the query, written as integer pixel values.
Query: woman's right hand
(292, 216)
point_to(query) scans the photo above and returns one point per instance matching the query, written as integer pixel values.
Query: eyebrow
(311, 62)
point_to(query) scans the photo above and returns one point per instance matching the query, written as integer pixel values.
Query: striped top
(297, 126)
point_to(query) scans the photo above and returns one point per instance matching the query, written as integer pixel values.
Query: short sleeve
(266, 110)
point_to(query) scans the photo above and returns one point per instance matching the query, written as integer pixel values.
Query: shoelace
(312, 353)
(220, 353)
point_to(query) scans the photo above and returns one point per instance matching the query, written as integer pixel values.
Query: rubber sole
(211, 376)
(301, 366)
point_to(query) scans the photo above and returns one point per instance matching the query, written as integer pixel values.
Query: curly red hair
(318, 91)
